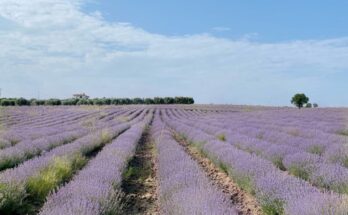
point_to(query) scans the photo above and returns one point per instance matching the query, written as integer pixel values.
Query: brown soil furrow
(243, 201)
(140, 182)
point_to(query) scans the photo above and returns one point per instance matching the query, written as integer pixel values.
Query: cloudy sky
(216, 51)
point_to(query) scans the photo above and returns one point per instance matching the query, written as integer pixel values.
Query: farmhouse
(81, 96)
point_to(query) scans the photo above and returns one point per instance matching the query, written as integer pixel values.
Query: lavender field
(173, 159)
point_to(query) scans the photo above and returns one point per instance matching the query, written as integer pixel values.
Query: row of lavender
(276, 191)
(27, 185)
(96, 188)
(28, 148)
(48, 124)
(323, 171)
(183, 187)
(29, 130)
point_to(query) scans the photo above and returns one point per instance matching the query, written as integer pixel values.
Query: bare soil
(140, 182)
(245, 203)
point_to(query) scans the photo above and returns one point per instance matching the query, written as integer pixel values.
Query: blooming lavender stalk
(96, 189)
(183, 187)
(25, 150)
(307, 166)
(273, 188)
(15, 183)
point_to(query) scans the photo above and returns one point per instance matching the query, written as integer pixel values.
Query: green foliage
(299, 100)
(23, 198)
(54, 102)
(274, 207)
(59, 171)
(8, 102)
(70, 101)
(96, 101)
(221, 137)
(8, 162)
(138, 101)
(299, 172)
(158, 100)
(22, 102)
(169, 100)
(149, 101)
(316, 149)
(35, 102)
(278, 162)
(12, 198)
(343, 132)
(82, 102)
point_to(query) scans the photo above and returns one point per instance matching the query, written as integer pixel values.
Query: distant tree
(158, 100)
(98, 102)
(83, 102)
(115, 101)
(138, 101)
(315, 105)
(107, 101)
(5, 102)
(149, 101)
(22, 102)
(169, 100)
(54, 102)
(70, 101)
(308, 105)
(40, 102)
(299, 100)
(190, 101)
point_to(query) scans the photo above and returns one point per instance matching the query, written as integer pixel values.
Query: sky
(222, 52)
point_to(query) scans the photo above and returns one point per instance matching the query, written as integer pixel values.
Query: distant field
(173, 159)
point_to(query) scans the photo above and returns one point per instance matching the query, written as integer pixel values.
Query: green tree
(22, 102)
(299, 100)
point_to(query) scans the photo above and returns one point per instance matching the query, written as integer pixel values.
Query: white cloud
(221, 28)
(52, 44)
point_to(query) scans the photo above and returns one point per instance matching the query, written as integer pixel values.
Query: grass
(316, 149)
(221, 137)
(61, 169)
(343, 132)
(299, 172)
(274, 207)
(278, 162)
(26, 198)
(12, 198)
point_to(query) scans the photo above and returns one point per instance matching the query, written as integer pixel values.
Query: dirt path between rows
(243, 201)
(140, 182)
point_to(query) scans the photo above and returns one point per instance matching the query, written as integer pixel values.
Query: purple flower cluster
(27, 149)
(17, 177)
(312, 167)
(95, 189)
(274, 189)
(183, 187)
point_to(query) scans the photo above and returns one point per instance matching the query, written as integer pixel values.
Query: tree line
(95, 101)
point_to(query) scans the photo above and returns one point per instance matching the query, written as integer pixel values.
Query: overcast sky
(215, 51)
